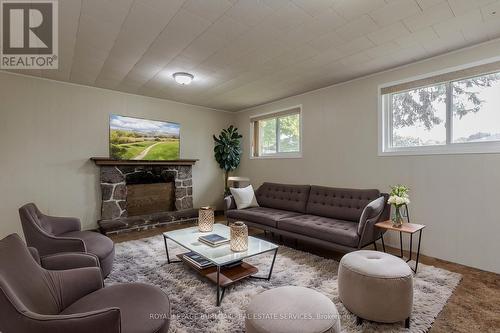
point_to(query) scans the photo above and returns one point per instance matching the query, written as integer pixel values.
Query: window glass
(476, 109)
(267, 136)
(419, 117)
(289, 133)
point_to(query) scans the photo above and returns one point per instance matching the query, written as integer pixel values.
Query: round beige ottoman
(376, 286)
(292, 310)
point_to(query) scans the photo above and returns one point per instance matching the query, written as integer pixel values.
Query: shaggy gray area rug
(192, 297)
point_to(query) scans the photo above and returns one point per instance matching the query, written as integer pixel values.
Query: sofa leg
(281, 238)
(359, 320)
(407, 322)
(296, 243)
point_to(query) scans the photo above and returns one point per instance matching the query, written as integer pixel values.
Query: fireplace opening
(150, 191)
(145, 199)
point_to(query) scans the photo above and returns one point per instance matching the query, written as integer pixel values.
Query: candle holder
(239, 236)
(206, 219)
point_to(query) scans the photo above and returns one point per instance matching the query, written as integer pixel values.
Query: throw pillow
(244, 197)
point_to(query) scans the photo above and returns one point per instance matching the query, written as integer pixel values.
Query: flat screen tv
(141, 139)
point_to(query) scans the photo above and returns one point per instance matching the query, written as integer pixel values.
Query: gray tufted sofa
(337, 218)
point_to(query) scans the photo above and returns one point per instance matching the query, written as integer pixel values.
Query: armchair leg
(359, 320)
(375, 245)
(407, 322)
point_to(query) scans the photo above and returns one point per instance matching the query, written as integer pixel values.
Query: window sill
(453, 149)
(277, 156)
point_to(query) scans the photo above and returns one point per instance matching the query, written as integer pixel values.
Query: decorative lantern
(239, 237)
(206, 219)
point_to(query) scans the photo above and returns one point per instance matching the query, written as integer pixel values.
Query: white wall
(456, 196)
(49, 130)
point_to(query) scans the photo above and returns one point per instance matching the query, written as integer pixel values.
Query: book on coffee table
(197, 260)
(213, 240)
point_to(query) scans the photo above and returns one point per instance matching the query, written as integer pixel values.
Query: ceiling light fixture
(183, 78)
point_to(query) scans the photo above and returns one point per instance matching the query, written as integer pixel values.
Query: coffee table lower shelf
(227, 276)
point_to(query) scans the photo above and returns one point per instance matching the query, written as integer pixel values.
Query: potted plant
(398, 198)
(228, 151)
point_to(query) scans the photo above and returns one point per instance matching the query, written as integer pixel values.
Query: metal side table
(407, 228)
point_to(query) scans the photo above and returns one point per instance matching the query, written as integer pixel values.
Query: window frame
(385, 147)
(270, 115)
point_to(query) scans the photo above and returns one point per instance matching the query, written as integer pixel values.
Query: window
(458, 115)
(277, 134)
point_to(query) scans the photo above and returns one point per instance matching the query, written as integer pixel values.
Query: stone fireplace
(144, 194)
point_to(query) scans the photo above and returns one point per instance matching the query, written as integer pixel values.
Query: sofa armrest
(103, 320)
(73, 284)
(47, 244)
(386, 214)
(69, 260)
(61, 225)
(34, 253)
(371, 214)
(229, 203)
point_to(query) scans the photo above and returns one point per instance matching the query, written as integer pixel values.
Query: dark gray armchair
(36, 300)
(53, 235)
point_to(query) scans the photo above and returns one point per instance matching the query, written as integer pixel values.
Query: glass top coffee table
(229, 266)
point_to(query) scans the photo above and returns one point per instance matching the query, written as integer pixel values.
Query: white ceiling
(248, 52)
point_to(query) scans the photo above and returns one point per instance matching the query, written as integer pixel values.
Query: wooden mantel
(110, 161)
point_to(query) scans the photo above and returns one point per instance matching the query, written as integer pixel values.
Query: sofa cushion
(339, 203)
(283, 196)
(324, 228)
(262, 215)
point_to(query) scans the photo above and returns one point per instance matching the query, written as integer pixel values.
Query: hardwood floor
(473, 307)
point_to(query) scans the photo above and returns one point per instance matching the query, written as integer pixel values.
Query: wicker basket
(239, 236)
(206, 219)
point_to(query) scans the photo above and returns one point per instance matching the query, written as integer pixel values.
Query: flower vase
(397, 218)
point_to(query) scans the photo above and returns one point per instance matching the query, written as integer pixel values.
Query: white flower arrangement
(399, 196)
(398, 201)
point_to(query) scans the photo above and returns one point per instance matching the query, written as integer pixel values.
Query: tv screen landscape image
(141, 139)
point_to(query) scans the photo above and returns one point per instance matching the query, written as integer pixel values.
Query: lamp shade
(238, 181)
